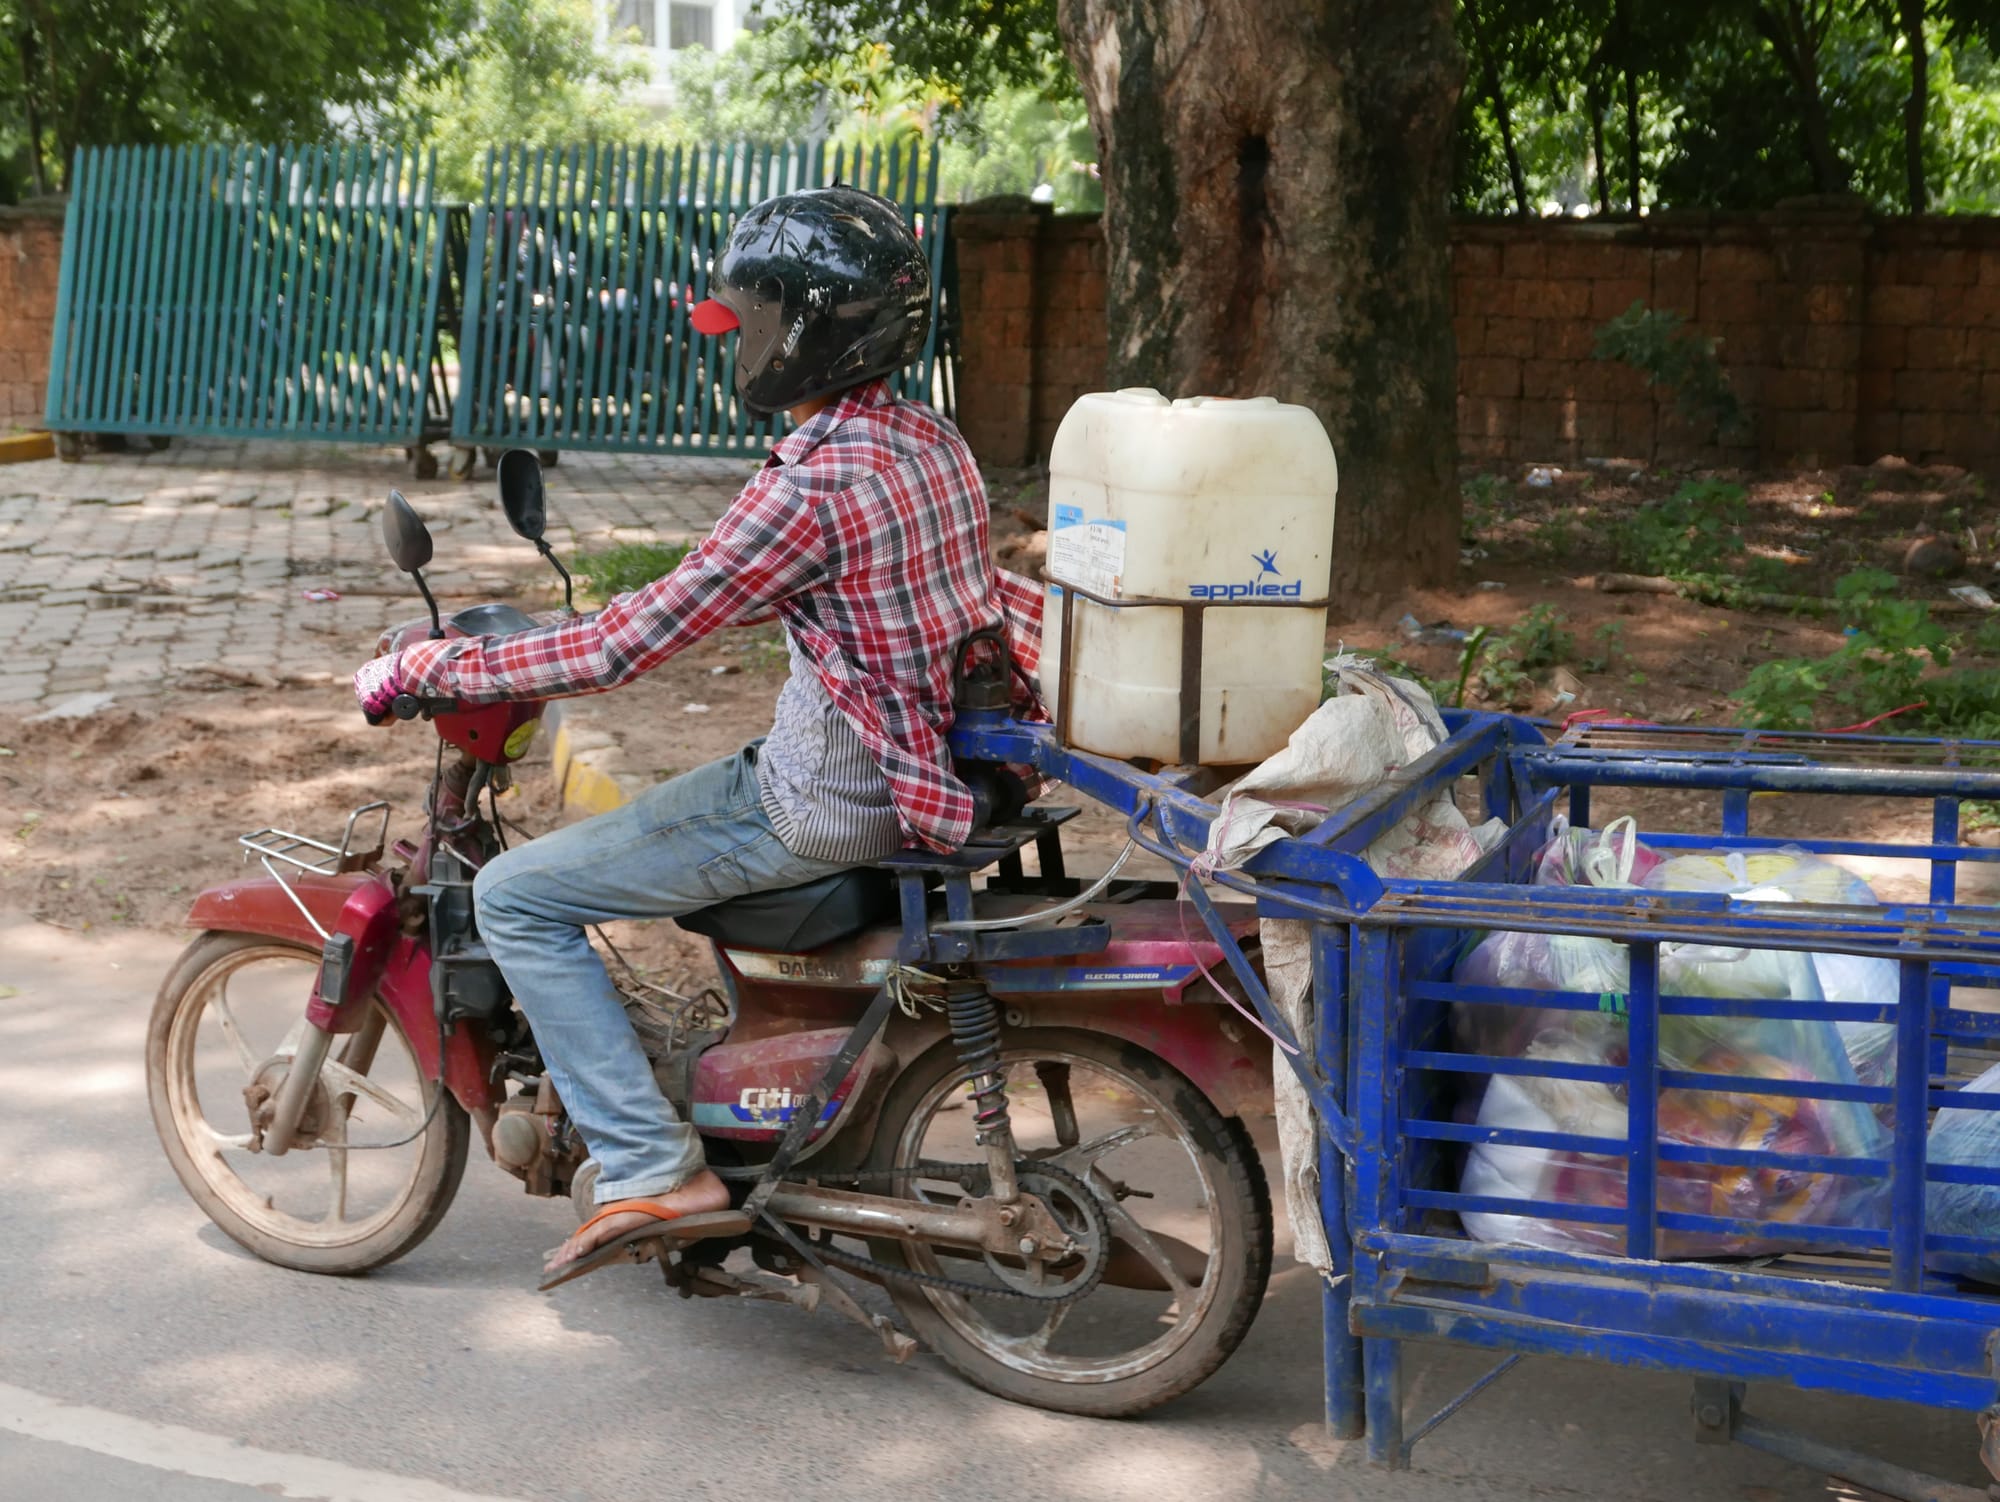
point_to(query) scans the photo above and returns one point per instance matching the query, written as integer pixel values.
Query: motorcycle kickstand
(897, 1346)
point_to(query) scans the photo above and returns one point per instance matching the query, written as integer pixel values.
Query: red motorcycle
(1017, 1108)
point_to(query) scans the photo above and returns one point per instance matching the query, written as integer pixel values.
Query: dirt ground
(118, 818)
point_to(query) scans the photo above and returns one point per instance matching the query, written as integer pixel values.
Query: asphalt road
(144, 1356)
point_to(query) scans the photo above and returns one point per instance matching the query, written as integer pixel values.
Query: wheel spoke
(1036, 1341)
(336, 1157)
(220, 1140)
(1082, 1160)
(340, 1080)
(1125, 1228)
(1054, 1076)
(226, 1020)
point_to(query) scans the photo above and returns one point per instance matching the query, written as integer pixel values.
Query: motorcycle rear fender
(387, 963)
(1146, 988)
(749, 1091)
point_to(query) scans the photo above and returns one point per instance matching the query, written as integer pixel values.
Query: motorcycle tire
(1231, 1190)
(437, 1155)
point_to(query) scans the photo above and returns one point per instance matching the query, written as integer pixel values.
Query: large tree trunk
(1911, 14)
(1277, 177)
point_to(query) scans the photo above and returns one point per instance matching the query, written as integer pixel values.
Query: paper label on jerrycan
(1089, 554)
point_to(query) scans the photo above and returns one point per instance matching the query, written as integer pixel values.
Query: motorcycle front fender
(361, 905)
(387, 963)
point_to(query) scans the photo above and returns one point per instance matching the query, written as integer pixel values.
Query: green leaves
(1506, 674)
(1722, 110)
(1694, 533)
(1885, 661)
(1681, 361)
(118, 72)
(971, 48)
(530, 72)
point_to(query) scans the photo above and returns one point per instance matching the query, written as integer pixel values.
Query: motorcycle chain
(970, 1176)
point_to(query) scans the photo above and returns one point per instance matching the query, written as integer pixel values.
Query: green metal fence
(585, 262)
(253, 292)
(243, 291)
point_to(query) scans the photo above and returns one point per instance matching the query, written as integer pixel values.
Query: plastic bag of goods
(1558, 962)
(1803, 877)
(1967, 1139)
(1755, 1048)
(1609, 857)
(1544, 962)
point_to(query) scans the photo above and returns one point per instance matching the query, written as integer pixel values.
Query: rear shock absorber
(975, 1030)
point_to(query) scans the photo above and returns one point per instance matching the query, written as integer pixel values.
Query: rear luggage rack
(316, 856)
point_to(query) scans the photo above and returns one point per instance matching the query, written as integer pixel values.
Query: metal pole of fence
(1341, 1349)
(1907, 1151)
(1378, 1169)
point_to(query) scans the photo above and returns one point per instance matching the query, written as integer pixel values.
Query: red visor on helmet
(712, 317)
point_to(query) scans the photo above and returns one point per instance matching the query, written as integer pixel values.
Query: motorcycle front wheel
(1182, 1191)
(378, 1154)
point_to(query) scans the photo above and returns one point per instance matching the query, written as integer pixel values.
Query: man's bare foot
(702, 1192)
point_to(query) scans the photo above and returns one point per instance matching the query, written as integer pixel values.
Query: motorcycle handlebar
(410, 707)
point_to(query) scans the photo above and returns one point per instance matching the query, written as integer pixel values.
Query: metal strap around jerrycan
(1193, 622)
(806, 1116)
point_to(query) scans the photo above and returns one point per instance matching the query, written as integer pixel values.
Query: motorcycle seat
(793, 920)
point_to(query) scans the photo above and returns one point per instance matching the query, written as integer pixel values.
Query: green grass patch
(1696, 531)
(628, 566)
(1891, 655)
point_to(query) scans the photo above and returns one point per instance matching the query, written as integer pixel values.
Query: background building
(663, 27)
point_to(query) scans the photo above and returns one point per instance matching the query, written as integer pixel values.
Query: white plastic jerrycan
(1157, 508)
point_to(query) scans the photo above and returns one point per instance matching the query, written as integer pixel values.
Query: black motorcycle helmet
(829, 288)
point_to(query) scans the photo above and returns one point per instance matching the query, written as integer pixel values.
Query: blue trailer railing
(1856, 1306)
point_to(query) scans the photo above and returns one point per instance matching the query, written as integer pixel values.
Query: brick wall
(1031, 340)
(1845, 336)
(30, 257)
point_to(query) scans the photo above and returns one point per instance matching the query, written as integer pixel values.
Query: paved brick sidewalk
(126, 569)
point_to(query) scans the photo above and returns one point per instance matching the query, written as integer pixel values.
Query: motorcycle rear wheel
(1159, 1155)
(373, 1094)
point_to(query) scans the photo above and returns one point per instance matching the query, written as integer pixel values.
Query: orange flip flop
(701, 1226)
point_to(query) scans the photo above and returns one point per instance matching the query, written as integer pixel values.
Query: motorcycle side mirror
(408, 539)
(521, 495)
(409, 543)
(526, 505)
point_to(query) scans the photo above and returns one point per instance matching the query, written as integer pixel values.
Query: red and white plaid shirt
(866, 534)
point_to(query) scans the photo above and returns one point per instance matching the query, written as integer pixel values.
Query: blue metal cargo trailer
(1858, 1305)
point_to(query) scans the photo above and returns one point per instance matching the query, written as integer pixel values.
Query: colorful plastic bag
(1969, 1139)
(1755, 1048)
(1610, 857)
(1798, 876)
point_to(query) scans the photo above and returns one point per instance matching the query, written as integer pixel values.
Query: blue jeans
(697, 840)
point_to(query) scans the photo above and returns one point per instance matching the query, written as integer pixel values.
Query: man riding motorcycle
(865, 534)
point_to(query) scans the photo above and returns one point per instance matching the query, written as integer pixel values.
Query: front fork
(296, 1090)
(975, 1030)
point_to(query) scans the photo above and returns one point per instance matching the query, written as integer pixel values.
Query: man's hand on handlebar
(384, 696)
(378, 685)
